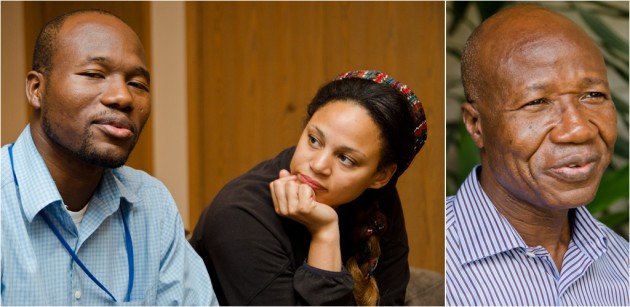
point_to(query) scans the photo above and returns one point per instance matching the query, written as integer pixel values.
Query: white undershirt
(77, 217)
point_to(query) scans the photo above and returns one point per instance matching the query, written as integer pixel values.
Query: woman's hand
(295, 200)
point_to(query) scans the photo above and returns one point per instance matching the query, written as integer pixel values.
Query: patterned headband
(420, 120)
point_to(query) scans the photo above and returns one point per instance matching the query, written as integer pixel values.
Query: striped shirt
(488, 262)
(38, 270)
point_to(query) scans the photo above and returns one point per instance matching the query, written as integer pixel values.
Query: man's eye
(596, 95)
(536, 102)
(139, 86)
(92, 75)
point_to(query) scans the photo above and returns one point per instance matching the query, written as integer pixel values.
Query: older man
(78, 228)
(540, 111)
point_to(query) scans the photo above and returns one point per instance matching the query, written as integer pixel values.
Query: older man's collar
(485, 232)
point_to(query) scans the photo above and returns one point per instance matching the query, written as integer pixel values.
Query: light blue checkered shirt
(37, 269)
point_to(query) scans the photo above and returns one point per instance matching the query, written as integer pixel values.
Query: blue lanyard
(74, 256)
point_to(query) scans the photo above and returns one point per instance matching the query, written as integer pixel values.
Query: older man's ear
(470, 115)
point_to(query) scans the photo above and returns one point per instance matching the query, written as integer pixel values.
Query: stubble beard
(86, 151)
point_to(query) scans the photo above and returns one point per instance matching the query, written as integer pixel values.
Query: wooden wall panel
(136, 14)
(253, 67)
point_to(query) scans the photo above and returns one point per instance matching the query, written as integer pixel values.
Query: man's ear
(383, 176)
(472, 122)
(34, 88)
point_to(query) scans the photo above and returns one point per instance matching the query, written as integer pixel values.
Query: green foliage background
(607, 23)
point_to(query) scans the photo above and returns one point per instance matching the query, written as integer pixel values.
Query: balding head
(539, 109)
(511, 31)
(47, 39)
(91, 92)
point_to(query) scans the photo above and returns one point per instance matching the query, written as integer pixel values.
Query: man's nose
(117, 95)
(574, 125)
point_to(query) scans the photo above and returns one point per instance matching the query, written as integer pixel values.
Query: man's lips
(118, 127)
(575, 168)
(310, 182)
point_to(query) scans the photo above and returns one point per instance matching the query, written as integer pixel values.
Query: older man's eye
(535, 102)
(597, 96)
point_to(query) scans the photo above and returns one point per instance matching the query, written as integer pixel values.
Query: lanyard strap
(128, 243)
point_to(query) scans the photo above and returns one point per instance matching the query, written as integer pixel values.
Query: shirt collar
(485, 232)
(38, 189)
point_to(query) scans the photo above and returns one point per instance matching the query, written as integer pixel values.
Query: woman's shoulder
(248, 194)
(244, 205)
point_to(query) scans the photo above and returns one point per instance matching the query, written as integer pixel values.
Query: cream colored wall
(13, 63)
(168, 87)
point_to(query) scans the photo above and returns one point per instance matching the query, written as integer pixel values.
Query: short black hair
(45, 45)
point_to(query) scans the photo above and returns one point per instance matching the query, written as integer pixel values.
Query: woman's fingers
(305, 196)
(296, 201)
(284, 173)
(284, 193)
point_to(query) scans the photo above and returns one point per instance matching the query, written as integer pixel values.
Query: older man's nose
(574, 125)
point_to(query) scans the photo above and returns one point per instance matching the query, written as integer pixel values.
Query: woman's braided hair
(401, 120)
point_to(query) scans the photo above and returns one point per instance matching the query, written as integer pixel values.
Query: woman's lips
(310, 182)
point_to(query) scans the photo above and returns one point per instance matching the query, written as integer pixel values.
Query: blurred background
(231, 81)
(607, 23)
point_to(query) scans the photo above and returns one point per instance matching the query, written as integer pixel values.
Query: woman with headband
(321, 223)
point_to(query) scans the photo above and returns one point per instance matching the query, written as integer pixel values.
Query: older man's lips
(575, 168)
(310, 182)
(115, 129)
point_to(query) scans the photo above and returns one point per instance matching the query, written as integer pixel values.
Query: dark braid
(395, 116)
(367, 250)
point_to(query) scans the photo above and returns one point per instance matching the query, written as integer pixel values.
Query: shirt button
(77, 294)
(530, 254)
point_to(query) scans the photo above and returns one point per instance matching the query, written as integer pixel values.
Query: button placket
(76, 282)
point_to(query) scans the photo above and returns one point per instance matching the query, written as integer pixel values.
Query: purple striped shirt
(488, 262)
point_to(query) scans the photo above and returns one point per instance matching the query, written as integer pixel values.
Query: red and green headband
(420, 120)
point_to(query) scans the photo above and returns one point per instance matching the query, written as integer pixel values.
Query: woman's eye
(346, 160)
(313, 140)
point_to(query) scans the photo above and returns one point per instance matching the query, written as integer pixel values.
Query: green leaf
(615, 220)
(611, 10)
(459, 10)
(621, 148)
(489, 8)
(622, 71)
(620, 104)
(613, 187)
(608, 36)
(456, 52)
